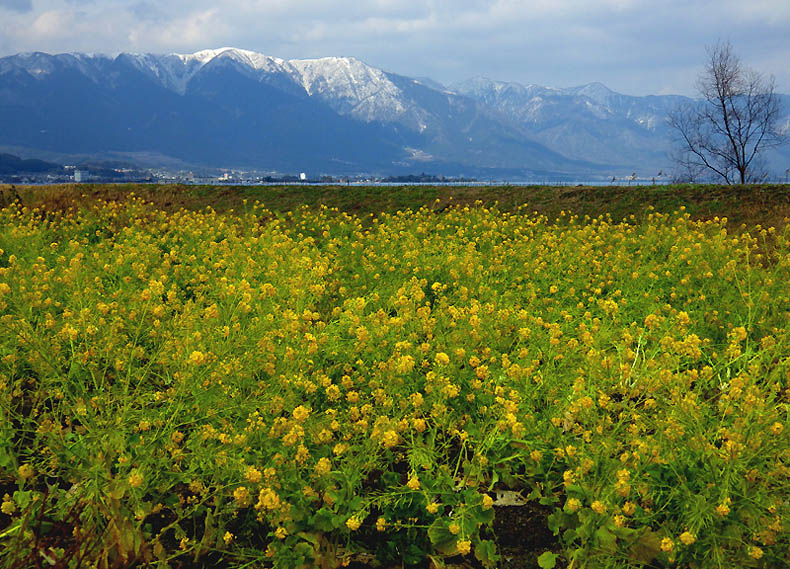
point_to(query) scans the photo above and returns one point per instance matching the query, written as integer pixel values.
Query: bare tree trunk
(735, 120)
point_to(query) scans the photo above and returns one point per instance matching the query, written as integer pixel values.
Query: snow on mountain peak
(347, 84)
(253, 59)
(596, 91)
(203, 56)
(350, 86)
(341, 74)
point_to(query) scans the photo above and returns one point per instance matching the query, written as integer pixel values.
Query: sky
(637, 47)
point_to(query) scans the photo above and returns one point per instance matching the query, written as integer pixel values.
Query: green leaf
(356, 503)
(547, 560)
(441, 537)
(485, 552)
(494, 480)
(311, 538)
(483, 516)
(647, 548)
(23, 498)
(326, 520)
(303, 551)
(556, 521)
(6, 459)
(606, 540)
(548, 500)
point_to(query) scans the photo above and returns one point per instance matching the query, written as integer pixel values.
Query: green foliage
(547, 560)
(312, 388)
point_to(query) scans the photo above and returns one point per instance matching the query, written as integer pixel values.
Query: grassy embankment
(767, 205)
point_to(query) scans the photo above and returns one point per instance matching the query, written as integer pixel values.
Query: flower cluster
(305, 378)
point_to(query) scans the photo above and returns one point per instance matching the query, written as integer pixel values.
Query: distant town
(14, 170)
(75, 175)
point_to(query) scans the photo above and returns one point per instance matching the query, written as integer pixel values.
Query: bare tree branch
(735, 120)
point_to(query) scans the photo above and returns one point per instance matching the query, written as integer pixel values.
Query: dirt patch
(522, 534)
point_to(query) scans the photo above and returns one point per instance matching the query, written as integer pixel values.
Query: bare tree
(737, 119)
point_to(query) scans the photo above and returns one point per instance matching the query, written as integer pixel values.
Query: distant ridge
(10, 164)
(231, 107)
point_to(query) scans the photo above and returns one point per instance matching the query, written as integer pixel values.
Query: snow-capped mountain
(346, 84)
(590, 122)
(233, 107)
(240, 108)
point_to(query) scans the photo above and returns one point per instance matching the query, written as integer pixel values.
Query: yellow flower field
(313, 388)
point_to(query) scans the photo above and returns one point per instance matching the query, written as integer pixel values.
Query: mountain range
(234, 108)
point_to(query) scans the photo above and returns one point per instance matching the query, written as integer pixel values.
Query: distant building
(302, 176)
(80, 176)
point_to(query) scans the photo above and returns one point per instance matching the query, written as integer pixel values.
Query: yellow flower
(755, 552)
(723, 509)
(572, 505)
(454, 528)
(687, 538)
(302, 454)
(26, 471)
(488, 502)
(301, 413)
(381, 524)
(197, 358)
(8, 507)
(267, 499)
(390, 438)
(353, 523)
(135, 478)
(227, 538)
(242, 496)
(442, 358)
(667, 544)
(598, 507)
(280, 532)
(404, 364)
(414, 482)
(464, 546)
(739, 335)
(323, 466)
(432, 508)
(253, 475)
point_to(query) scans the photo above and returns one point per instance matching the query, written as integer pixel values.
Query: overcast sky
(636, 47)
